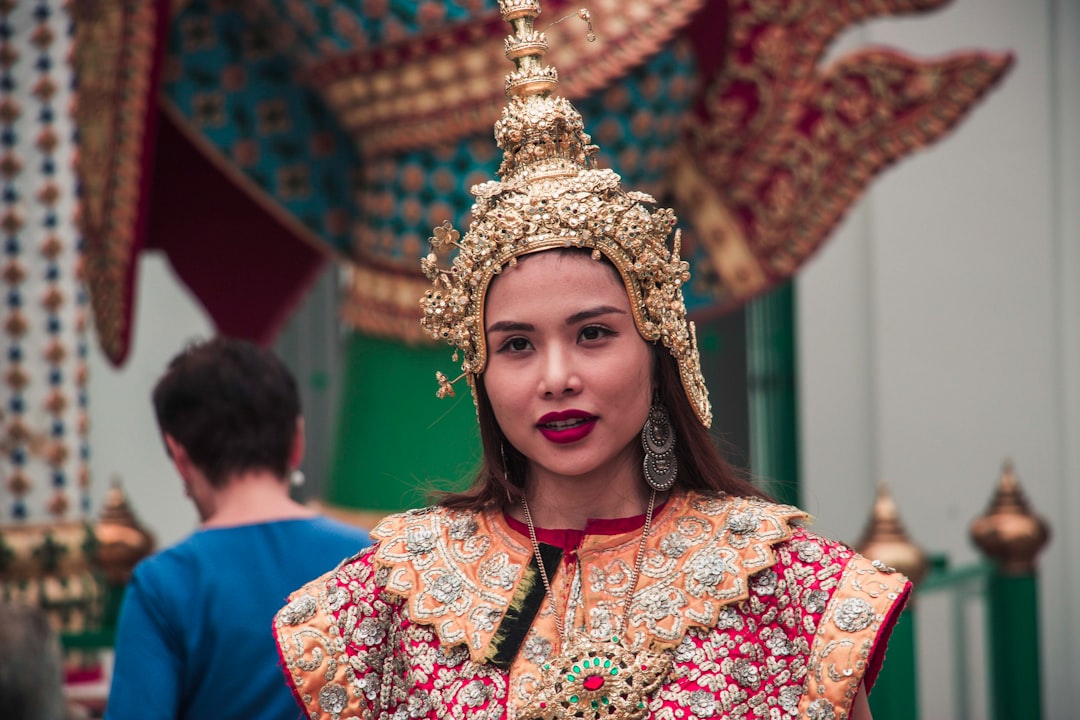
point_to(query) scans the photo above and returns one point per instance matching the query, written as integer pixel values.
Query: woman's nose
(559, 376)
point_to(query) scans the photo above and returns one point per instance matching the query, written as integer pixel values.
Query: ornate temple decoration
(1009, 532)
(779, 147)
(68, 568)
(116, 49)
(885, 540)
(719, 108)
(121, 540)
(443, 85)
(43, 428)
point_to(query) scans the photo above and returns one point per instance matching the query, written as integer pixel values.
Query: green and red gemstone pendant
(597, 681)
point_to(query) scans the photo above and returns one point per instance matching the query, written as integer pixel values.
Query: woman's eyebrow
(593, 312)
(510, 326)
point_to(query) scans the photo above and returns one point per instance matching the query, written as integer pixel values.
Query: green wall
(396, 442)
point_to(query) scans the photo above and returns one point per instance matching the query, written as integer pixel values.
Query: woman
(607, 563)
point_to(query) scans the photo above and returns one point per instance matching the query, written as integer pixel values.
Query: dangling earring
(297, 478)
(658, 440)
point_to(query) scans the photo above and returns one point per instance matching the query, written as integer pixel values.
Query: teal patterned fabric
(227, 76)
(635, 123)
(224, 75)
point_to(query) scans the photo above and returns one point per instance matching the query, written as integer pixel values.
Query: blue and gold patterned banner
(43, 402)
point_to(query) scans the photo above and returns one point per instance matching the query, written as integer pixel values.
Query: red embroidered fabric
(809, 626)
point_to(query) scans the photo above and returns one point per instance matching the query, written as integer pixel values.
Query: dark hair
(701, 466)
(233, 406)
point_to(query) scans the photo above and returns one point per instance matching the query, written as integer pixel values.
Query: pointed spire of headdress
(549, 195)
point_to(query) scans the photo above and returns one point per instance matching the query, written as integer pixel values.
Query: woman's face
(568, 376)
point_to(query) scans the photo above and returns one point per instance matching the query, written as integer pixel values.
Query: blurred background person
(194, 635)
(31, 667)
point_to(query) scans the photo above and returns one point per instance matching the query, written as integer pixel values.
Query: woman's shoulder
(435, 518)
(738, 515)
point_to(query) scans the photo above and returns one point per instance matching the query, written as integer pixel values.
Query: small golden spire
(122, 540)
(1009, 532)
(886, 540)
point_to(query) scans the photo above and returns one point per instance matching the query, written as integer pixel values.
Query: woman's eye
(594, 332)
(515, 344)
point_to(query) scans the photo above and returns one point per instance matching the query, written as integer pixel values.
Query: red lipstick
(566, 426)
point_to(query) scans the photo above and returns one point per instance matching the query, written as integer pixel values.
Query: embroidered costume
(713, 606)
(754, 617)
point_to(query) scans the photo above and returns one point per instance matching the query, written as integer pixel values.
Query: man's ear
(178, 455)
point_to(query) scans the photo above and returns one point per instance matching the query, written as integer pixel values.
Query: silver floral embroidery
(401, 713)
(370, 686)
(708, 568)
(809, 552)
(703, 703)
(474, 694)
(485, 618)
(742, 522)
(764, 583)
(537, 649)
(498, 572)
(684, 652)
(419, 705)
(821, 709)
(336, 597)
(729, 619)
(789, 698)
(333, 698)
(369, 632)
(655, 603)
(779, 644)
(446, 588)
(746, 673)
(298, 610)
(674, 545)
(853, 615)
(463, 527)
(419, 540)
(815, 601)
(600, 625)
(882, 567)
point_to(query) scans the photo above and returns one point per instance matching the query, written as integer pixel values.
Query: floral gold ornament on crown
(551, 195)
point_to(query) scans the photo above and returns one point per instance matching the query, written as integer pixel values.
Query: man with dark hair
(194, 636)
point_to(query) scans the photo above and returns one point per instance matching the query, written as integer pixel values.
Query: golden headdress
(551, 195)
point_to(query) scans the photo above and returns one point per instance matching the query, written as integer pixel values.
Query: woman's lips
(567, 426)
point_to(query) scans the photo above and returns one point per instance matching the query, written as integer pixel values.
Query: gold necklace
(596, 679)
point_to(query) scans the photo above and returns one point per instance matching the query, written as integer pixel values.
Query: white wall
(940, 329)
(124, 439)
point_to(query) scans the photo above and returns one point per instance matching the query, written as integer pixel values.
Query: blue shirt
(194, 640)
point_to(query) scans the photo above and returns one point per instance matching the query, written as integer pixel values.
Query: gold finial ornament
(885, 539)
(122, 540)
(1009, 532)
(551, 195)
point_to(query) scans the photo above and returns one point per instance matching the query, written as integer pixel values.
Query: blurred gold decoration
(1009, 532)
(50, 565)
(886, 540)
(58, 504)
(16, 433)
(121, 540)
(16, 324)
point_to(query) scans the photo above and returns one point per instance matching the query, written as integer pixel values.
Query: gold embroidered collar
(457, 571)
